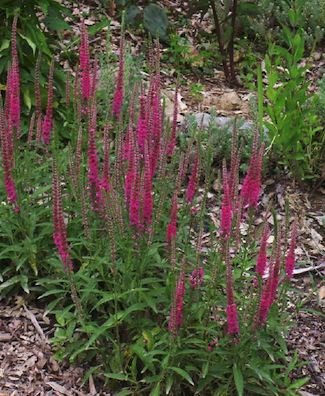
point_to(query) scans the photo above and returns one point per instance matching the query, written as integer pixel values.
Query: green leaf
(239, 381)
(27, 98)
(299, 383)
(98, 27)
(117, 376)
(5, 44)
(155, 21)
(30, 42)
(55, 21)
(156, 390)
(124, 392)
(183, 374)
(24, 283)
(250, 9)
(169, 384)
(10, 282)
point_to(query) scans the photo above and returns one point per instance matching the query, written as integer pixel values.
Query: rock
(203, 121)
(228, 101)
(317, 56)
(169, 105)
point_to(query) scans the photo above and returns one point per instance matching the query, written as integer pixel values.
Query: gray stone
(203, 120)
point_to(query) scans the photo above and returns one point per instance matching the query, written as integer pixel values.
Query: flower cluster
(48, 120)
(252, 183)
(84, 62)
(176, 312)
(60, 232)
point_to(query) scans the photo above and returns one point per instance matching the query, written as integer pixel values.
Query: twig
(35, 323)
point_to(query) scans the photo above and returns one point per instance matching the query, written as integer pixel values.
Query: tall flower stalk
(14, 82)
(290, 259)
(119, 91)
(226, 207)
(48, 120)
(7, 154)
(60, 232)
(84, 61)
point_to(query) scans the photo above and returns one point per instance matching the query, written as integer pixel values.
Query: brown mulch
(307, 336)
(27, 366)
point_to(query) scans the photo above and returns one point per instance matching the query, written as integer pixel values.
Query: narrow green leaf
(156, 390)
(117, 376)
(29, 41)
(183, 374)
(239, 381)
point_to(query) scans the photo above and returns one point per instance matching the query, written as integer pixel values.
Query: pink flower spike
(192, 184)
(48, 120)
(176, 310)
(290, 259)
(60, 232)
(262, 259)
(119, 91)
(105, 183)
(251, 187)
(14, 81)
(172, 142)
(147, 199)
(172, 225)
(142, 131)
(84, 63)
(196, 278)
(232, 319)
(276, 270)
(226, 208)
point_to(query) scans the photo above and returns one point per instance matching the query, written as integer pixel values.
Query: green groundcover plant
(112, 224)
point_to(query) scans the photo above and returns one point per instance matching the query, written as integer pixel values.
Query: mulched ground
(307, 335)
(27, 366)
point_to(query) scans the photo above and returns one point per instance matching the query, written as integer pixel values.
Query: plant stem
(231, 43)
(219, 37)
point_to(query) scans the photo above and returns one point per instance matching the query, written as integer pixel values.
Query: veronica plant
(137, 290)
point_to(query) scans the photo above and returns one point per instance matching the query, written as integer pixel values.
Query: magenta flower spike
(251, 188)
(134, 210)
(232, 319)
(192, 184)
(172, 225)
(119, 91)
(60, 232)
(84, 61)
(226, 207)
(6, 139)
(48, 120)
(14, 98)
(172, 141)
(156, 126)
(177, 307)
(93, 174)
(180, 292)
(105, 183)
(196, 277)
(290, 259)
(276, 270)
(142, 131)
(264, 306)
(262, 258)
(147, 196)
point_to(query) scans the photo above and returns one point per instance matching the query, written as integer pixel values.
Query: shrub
(136, 291)
(294, 126)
